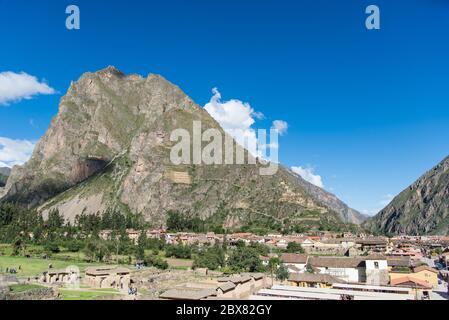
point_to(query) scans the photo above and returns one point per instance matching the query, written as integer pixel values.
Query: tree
(141, 245)
(18, 246)
(52, 247)
(240, 243)
(7, 213)
(245, 259)
(224, 245)
(294, 247)
(155, 261)
(74, 245)
(177, 222)
(178, 251)
(282, 273)
(273, 265)
(54, 225)
(211, 258)
(16, 220)
(262, 249)
(124, 245)
(309, 268)
(97, 250)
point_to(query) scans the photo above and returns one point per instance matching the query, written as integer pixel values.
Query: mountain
(4, 174)
(331, 201)
(5, 171)
(109, 147)
(422, 208)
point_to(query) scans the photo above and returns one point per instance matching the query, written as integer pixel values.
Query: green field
(85, 295)
(179, 264)
(17, 288)
(33, 266)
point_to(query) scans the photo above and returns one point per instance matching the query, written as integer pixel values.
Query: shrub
(212, 258)
(74, 246)
(245, 259)
(52, 247)
(178, 251)
(155, 261)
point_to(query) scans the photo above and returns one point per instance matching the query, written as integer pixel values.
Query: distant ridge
(422, 208)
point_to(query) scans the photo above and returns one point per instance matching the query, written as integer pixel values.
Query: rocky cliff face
(109, 147)
(422, 208)
(4, 174)
(5, 171)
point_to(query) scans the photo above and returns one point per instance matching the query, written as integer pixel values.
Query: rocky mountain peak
(110, 71)
(109, 147)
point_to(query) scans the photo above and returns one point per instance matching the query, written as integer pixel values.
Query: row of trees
(17, 224)
(240, 259)
(16, 220)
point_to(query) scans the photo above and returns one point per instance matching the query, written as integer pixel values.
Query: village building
(185, 293)
(427, 274)
(376, 271)
(108, 277)
(331, 246)
(372, 245)
(244, 285)
(421, 275)
(419, 287)
(236, 237)
(266, 259)
(336, 292)
(346, 269)
(398, 263)
(156, 234)
(105, 234)
(235, 287)
(133, 235)
(370, 269)
(294, 262)
(312, 280)
(62, 276)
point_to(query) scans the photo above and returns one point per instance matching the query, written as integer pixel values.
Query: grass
(33, 266)
(104, 290)
(84, 295)
(17, 288)
(181, 264)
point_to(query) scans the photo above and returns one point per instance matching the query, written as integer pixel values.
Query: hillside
(422, 208)
(4, 174)
(109, 146)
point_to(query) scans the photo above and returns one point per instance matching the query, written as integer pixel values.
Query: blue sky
(368, 111)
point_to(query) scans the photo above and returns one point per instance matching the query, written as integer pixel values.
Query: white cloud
(232, 114)
(15, 152)
(236, 118)
(280, 126)
(370, 212)
(309, 175)
(17, 86)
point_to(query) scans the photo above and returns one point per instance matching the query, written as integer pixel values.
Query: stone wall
(33, 294)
